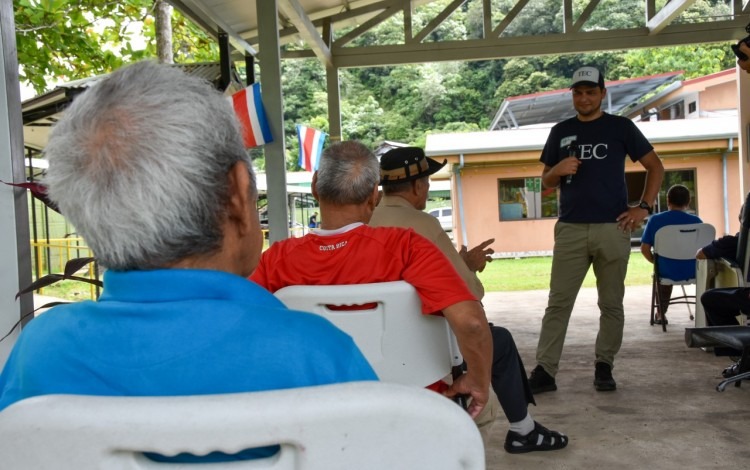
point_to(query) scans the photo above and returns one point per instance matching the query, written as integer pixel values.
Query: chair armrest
(728, 274)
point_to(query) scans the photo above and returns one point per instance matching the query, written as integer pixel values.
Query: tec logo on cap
(587, 76)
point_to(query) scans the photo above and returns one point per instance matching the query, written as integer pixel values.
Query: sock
(524, 426)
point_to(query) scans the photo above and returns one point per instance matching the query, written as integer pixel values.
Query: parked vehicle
(444, 216)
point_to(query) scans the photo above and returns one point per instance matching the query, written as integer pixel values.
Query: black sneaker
(603, 381)
(540, 381)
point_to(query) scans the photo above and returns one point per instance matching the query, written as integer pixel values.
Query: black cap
(406, 164)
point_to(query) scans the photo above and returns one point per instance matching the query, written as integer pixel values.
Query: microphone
(572, 152)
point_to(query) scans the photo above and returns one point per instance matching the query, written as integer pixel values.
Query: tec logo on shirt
(585, 151)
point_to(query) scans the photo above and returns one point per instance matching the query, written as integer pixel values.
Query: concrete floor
(665, 413)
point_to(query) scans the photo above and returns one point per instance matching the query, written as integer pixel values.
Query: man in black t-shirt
(585, 157)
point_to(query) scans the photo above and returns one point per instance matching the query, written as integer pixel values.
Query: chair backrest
(681, 242)
(359, 425)
(401, 344)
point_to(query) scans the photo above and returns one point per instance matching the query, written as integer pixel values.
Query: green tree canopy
(63, 40)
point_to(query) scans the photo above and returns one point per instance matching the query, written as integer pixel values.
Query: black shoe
(550, 440)
(603, 381)
(731, 371)
(540, 381)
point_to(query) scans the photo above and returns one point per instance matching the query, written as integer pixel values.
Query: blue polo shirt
(177, 332)
(677, 270)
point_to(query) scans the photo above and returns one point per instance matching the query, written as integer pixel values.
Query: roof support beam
(14, 230)
(484, 49)
(487, 17)
(438, 20)
(297, 16)
(408, 34)
(196, 12)
(275, 152)
(394, 7)
(344, 15)
(665, 16)
(585, 15)
(509, 18)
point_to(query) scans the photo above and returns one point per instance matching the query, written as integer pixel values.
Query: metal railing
(50, 257)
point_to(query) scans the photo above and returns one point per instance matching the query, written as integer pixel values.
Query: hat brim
(585, 83)
(432, 167)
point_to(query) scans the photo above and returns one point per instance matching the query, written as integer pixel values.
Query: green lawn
(500, 275)
(533, 273)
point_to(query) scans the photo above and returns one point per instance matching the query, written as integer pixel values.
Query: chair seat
(670, 282)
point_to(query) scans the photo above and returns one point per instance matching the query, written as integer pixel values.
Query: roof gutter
(730, 148)
(460, 194)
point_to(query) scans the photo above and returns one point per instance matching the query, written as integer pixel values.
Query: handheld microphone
(572, 152)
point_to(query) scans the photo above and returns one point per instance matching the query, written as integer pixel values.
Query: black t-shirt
(597, 193)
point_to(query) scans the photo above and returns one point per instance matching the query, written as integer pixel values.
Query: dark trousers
(509, 376)
(722, 307)
(665, 293)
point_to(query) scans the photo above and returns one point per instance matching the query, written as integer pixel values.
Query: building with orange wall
(496, 175)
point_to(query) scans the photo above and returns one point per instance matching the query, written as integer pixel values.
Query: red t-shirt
(363, 255)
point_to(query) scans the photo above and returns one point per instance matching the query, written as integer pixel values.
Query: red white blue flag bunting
(310, 146)
(252, 116)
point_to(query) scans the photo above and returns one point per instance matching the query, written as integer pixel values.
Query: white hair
(347, 173)
(139, 165)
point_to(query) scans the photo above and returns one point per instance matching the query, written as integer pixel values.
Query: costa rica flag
(310, 146)
(252, 116)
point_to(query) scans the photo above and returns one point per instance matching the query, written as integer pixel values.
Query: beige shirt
(395, 211)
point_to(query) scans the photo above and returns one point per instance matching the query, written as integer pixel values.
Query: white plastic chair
(677, 242)
(361, 425)
(401, 344)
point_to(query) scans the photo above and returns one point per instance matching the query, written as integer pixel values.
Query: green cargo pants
(577, 247)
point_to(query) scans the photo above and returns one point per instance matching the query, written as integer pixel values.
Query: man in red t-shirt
(346, 251)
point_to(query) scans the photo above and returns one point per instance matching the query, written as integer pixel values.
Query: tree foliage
(62, 40)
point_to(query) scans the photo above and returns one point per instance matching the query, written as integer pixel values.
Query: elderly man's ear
(374, 198)
(241, 204)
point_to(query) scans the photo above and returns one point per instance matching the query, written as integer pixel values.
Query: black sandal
(540, 438)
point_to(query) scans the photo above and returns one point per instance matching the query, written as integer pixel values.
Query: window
(683, 177)
(692, 107)
(636, 181)
(524, 198)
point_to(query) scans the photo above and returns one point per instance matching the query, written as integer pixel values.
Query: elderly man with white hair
(150, 167)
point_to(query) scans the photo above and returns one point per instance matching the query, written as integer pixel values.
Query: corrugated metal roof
(556, 105)
(42, 112)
